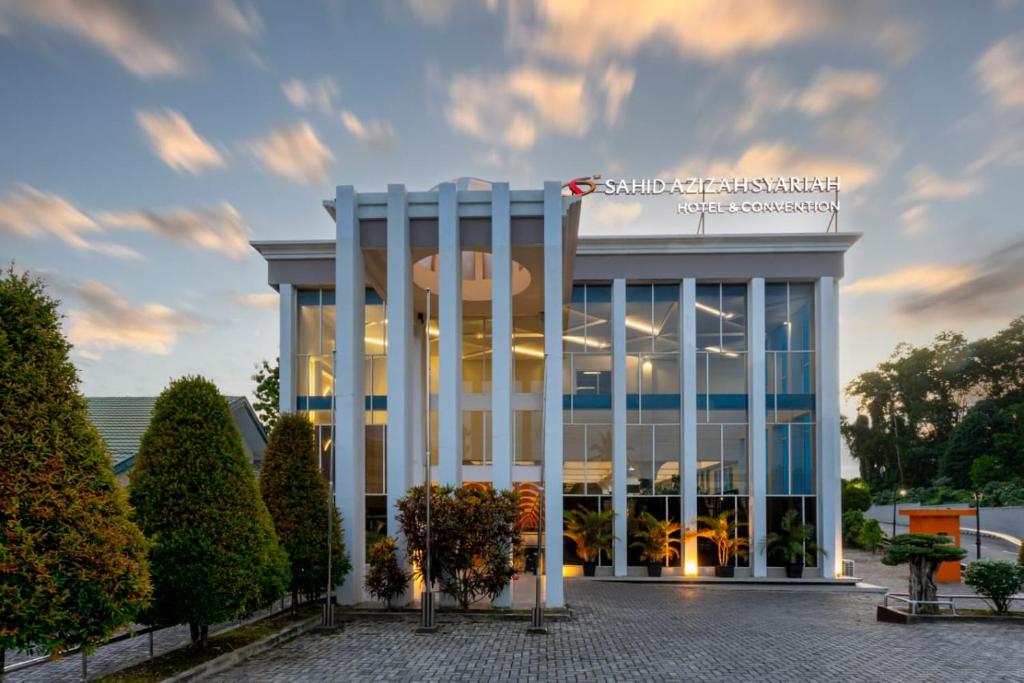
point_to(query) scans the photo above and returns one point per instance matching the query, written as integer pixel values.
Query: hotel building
(682, 375)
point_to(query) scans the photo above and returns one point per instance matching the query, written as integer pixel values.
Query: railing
(941, 600)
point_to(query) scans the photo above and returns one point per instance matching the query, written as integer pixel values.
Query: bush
(986, 469)
(853, 520)
(214, 554)
(870, 535)
(856, 495)
(386, 580)
(473, 537)
(296, 495)
(1020, 555)
(72, 565)
(995, 580)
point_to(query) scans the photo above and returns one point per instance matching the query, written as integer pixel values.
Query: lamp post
(896, 495)
(977, 523)
(427, 598)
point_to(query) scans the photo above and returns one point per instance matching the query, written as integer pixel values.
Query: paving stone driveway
(657, 632)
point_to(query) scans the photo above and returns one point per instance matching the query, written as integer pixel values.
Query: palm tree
(658, 540)
(794, 542)
(721, 531)
(592, 532)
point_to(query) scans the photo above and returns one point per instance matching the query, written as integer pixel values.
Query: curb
(226, 661)
(442, 617)
(894, 616)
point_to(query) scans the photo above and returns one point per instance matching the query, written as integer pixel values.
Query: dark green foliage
(853, 521)
(986, 470)
(794, 542)
(296, 496)
(924, 553)
(268, 392)
(870, 535)
(72, 565)
(385, 579)
(214, 553)
(995, 580)
(473, 537)
(658, 540)
(856, 495)
(591, 531)
(974, 436)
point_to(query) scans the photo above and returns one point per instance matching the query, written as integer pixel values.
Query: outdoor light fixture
(691, 568)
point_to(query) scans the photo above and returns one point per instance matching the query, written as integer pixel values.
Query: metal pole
(328, 602)
(427, 597)
(85, 666)
(537, 614)
(895, 493)
(977, 523)
(151, 643)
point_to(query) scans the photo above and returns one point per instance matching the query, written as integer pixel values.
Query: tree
(856, 495)
(214, 553)
(853, 522)
(986, 469)
(924, 553)
(995, 580)
(72, 564)
(657, 540)
(591, 531)
(296, 495)
(268, 392)
(385, 580)
(473, 538)
(870, 535)
(975, 435)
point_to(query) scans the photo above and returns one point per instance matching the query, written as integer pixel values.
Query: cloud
(617, 84)
(989, 287)
(919, 278)
(916, 220)
(1000, 73)
(371, 133)
(515, 108)
(150, 39)
(319, 94)
(175, 142)
(258, 300)
(432, 12)
(295, 153)
(834, 89)
(778, 159)
(609, 216)
(28, 212)
(103, 320)
(221, 229)
(924, 183)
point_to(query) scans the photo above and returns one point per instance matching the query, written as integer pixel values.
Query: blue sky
(143, 144)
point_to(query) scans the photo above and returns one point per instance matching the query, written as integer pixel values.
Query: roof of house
(122, 420)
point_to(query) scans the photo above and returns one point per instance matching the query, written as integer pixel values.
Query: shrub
(924, 553)
(870, 535)
(657, 540)
(72, 565)
(296, 495)
(853, 520)
(386, 580)
(855, 495)
(214, 553)
(995, 580)
(986, 469)
(591, 531)
(473, 537)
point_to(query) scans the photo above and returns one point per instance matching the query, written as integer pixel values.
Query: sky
(143, 144)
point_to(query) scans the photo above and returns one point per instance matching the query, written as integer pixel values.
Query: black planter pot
(726, 572)
(795, 570)
(589, 568)
(653, 569)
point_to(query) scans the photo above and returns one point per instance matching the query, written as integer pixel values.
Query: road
(1002, 520)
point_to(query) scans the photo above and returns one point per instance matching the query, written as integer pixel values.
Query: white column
(688, 481)
(501, 348)
(756, 420)
(400, 342)
(553, 302)
(350, 430)
(286, 350)
(449, 276)
(619, 424)
(501, 334)
(829, 493)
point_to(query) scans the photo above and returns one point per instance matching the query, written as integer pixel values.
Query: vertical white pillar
(619, 424)
(449, 276)
(756, 437)
(286, 350)
(829, 493)
(400, 340)
(350, 413)
(688, 481)
(502, 372)
(553, 302)
(501, 354)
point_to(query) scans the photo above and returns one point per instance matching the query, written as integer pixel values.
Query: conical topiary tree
(214, 552)
(72, 565)
(296, 496)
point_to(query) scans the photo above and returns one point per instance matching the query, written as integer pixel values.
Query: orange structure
(935, 521)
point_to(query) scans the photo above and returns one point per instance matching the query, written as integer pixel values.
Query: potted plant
(721, 531)
(794, 543)
(592, 532)
(656, 542)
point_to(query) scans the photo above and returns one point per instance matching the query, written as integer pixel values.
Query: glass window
(528, 437)
(666, 459)
(476, 437)
(599, 459)
(574, 459)
(639, 459)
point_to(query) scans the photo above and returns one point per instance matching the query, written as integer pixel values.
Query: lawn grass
(182, 659)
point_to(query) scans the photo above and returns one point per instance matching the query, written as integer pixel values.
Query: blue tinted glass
(778, 465)
(309, 297)
(598, 294)
(666, 292)
(802, 455)
(328, 297)
(775, 307)
(372, 297)
(638, 294)
(578, 293)
(801, 315)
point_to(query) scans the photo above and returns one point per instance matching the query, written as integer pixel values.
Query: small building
(122, 420)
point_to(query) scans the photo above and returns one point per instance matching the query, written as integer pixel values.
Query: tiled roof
(122, 420)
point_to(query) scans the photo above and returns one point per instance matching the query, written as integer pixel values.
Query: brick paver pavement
(658, 632)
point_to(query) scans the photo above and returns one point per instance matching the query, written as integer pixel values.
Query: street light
(896, 495)
(977, 523)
